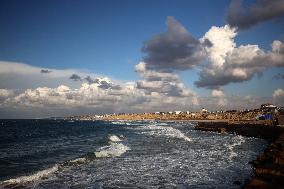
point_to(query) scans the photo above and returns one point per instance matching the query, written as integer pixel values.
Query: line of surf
(24, 179)
(163, 130)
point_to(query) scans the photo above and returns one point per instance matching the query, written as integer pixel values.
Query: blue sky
(106, 37)
(100, 35)
(97, 35)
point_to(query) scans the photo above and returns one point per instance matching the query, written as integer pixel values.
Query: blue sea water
(121, 154)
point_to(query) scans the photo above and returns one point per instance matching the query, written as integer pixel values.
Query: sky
(68, 57)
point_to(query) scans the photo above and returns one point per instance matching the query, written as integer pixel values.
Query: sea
(47, 154)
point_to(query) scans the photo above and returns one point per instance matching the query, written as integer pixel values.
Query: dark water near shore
(133, 154)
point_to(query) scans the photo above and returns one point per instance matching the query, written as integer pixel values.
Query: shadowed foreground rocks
(269, 166)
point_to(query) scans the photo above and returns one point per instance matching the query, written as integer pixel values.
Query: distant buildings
(177, 112)
(268, 107)
(267, 113)
(203, 111)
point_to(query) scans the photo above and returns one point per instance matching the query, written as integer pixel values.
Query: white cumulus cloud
(228, 63)
(4, 93)
(217, 93)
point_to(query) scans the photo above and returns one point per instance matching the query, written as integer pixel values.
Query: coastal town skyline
(60, 58)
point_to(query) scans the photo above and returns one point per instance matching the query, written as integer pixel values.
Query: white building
(203, 110)
(177, 112)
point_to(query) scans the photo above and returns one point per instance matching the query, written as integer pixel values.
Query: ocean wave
(113, 150)
(114, 138)
(133, 123)
(25, 179)
(158, 130)
(162, 124)
(118, 122)
(129, 123)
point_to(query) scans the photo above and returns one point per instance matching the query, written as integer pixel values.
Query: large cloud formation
(129, 97)
(86, 95)
(62, 100)
(174, 49)
(67, 92)
(165, 54)
(216, 55)
(220, 61)
(228, 63)
(263, 10)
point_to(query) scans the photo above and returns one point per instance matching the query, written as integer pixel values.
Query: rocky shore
(269, 166)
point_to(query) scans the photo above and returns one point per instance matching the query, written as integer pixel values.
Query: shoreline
(269, 165)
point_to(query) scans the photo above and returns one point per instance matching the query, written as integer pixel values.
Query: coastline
(269, 166)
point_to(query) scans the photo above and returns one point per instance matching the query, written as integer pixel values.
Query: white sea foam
(163, 124)
(118, 122)
(115, 149)
(237, 141)
(30, 178)
(114, 138)
(157, 130)
(126, 122)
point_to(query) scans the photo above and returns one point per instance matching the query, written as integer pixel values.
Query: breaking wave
(123, 122)
(30, 178)
(114, 138)
(115, 149)
(118, 122)
(158, 130)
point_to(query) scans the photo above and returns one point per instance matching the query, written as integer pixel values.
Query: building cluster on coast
(266, 114)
